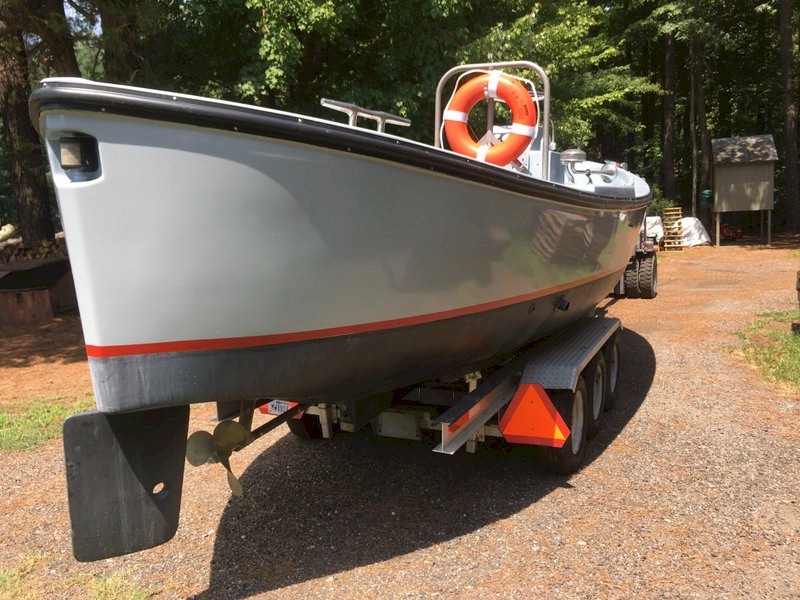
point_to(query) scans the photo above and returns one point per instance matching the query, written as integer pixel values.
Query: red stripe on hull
(302, 336)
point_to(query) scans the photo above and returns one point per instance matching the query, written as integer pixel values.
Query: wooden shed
(744, 177)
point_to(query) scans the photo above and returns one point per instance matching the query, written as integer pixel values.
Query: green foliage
(741, 81)
(387, 56)
(593, 90)
(605, 59)
(658, 203)
(89, 60)
(287, 29)
(200, 47)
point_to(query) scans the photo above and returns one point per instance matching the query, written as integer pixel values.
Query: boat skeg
(124, 479)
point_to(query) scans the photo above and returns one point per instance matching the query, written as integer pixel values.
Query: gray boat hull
(221, 253)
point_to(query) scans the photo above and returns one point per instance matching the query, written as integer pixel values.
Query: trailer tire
(597, 387)
(648, 277)
(611, 355)
(306, 427)
(631, 277)
(573, 408)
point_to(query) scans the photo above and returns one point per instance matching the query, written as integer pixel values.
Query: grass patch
(18, 583)
(28, 426)
(771, 345)
(12, 580)
(10, 583)
(117, 587)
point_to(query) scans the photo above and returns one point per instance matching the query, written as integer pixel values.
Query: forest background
(650, 82)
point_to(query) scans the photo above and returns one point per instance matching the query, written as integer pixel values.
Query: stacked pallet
(673, 228)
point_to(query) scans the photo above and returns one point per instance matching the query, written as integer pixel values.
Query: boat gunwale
(88, 96)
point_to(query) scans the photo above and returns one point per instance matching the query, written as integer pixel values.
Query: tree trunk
(58, 39)
(792, 198)
(699, 122)
(699, 74)
(47, 20)
(693, 135)
(122, 56)
(668, 130)
(22, 142)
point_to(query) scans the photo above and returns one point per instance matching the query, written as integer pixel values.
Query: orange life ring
(523, 117)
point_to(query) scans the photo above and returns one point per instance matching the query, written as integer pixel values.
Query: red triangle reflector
(532, 419)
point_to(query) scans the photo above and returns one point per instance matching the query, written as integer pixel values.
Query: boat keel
(124, 479)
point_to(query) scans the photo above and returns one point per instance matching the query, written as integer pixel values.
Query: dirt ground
(690, 490)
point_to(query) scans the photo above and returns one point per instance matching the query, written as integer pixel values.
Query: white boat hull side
(196, 242)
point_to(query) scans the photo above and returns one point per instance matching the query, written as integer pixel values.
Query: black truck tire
(648, 277)
(631, 278)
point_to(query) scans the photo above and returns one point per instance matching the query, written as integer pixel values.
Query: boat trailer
(127, 497)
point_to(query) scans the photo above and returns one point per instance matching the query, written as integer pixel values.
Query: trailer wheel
(573, 408)
(611, 354)
(597, 386)
(631, 277)
(648, 277)
(306, 427)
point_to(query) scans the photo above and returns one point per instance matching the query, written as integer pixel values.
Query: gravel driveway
(691, 488)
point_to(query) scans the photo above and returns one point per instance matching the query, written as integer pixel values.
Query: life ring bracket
(543, 102)
(492, 85)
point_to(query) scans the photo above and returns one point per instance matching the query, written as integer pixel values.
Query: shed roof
(754, 148)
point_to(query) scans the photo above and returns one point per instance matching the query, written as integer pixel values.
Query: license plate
(278, 407)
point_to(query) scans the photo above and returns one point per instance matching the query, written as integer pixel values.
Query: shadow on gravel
(316, 508)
